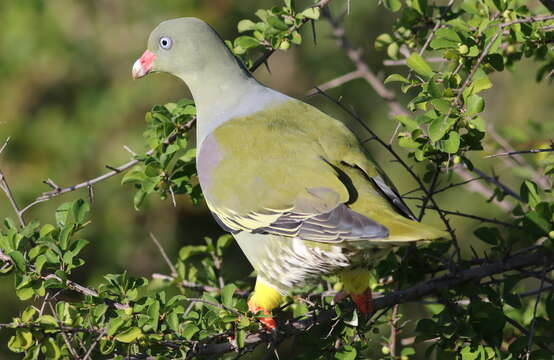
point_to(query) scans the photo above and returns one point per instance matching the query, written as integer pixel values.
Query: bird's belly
(286, 262)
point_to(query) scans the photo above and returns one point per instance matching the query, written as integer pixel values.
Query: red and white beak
(144, 64)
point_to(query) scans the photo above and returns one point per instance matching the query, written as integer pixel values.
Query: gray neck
(219, 87)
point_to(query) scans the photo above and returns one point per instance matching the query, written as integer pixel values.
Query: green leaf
(48, 320)
(445, 38)
(480, 84)
(474, 105)
(347, 352)
(19, 260)
(39, 263)
(382, 41)
(408, 122)
(495, 60)
(65, 235)
(420, 6)
(395, 78)
(129, 335)
(436, 89)
(393, 5)
(408, 142)
(227, 294)
(246, 25)
(114, 325)
(46, 229)
(452, 143)
(136, 175)
(25, 293)
(80, 211)
(154, 314)
(173, 321)
(277, 23)
(393, 49)
(189, 331)
(138, 199)
(442, 105)
(241, 337)
(419, 65)
(21, 341)
(439, 127)
(246, 42)
(28, 314)
(529, 192)
(62, 213)
(51, 349)
(311, 13)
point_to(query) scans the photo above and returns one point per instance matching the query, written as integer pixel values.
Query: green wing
(292, 170)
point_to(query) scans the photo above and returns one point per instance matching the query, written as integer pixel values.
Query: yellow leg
(356, 283)
(265, 299)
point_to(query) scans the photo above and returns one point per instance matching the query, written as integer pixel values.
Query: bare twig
(5, 144)
(336, 82)
(512, 153)
(6, 189)
(478, 218)
(64, 335)
(393, 339)
(542, 180)
(164, 255)
(93, 345)
(429, 194)
(494, 180)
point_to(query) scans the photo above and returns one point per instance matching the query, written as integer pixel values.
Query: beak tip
(143, 65)
(138, 70)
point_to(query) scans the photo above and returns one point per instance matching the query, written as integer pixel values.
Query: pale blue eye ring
(166, 42)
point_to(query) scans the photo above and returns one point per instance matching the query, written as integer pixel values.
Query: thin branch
(164, 255)
(6, 189)
(336, 82)
(512, 153)
(478, 218)
(494, 180)
(430, 193)
(524, 331)
(64, 336)
(93, 345)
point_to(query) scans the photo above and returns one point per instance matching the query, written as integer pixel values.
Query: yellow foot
(364, 302)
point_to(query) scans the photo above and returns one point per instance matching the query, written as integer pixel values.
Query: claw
(267, 320)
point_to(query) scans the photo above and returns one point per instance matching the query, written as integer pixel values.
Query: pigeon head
(183, 47)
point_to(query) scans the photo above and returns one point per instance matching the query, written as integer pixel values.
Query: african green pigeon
(293, 185)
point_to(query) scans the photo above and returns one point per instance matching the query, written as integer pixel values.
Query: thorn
(129, 150)
(266, 64)
(113, 168)
(91, 194)
(313, 32)
(172, 196)
(5, 144)
(52, 184)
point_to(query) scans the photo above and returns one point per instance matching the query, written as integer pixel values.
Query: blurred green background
(69, 105)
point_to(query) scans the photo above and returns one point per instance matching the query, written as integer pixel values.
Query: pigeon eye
(166, 42)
